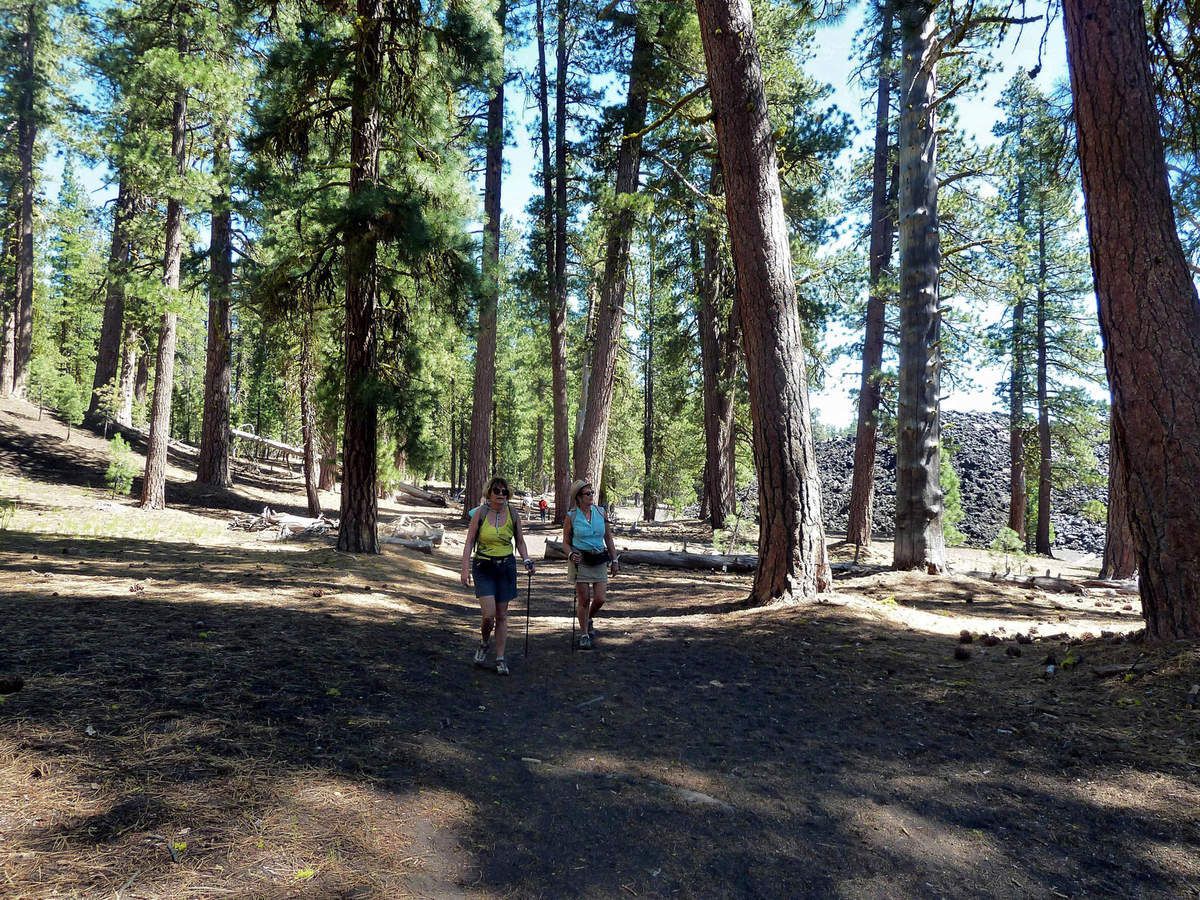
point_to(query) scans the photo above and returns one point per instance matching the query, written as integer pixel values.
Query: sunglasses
(585, 493)
(500, 491)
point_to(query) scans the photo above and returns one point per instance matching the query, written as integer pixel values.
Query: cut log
(413, 491)
(415, 529)
(671, 559)
(411, 543)
(1120, 587)
(1051, 584)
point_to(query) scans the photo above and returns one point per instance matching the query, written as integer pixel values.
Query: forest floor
(210, 713)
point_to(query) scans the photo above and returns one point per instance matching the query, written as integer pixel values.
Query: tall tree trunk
(539, 452)
(108, 353)
(483, 405)
(548, 234)
(308, 418)
(649, 490)
(1018, 489)
(1045, 476)
(358, 531)
(453, 437)
(589, 451)
(1149, 311)
(154, 484)
(791, 542)
(27, 128)
(1120, 552)
(130, 343)
(558, 306)
(860, 522)
(919, 542)
(213, 467)
(718, 363)
(328, 473)
(8, 317)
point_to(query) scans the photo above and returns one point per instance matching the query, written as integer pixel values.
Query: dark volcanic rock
(981, 460)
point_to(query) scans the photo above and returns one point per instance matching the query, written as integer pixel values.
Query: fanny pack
(591, 558)
(495, 564)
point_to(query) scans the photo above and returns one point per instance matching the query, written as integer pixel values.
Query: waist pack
(494, 565)
(591, 558)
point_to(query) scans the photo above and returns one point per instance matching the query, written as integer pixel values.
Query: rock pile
(981, 461)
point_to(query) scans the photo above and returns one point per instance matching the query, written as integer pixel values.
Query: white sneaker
(481, 655)
(501, 667)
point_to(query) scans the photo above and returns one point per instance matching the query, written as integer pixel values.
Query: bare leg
(598, 590)
(501, 628)
(583, 604)
(487, 606)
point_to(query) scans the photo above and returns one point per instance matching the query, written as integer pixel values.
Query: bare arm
(469, 547)
(612, 547)
(572, 554)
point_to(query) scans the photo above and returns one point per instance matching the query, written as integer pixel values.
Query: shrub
(1010, 544)
(952, 511)
(1094, 511)
(122, 466)
(69, 403)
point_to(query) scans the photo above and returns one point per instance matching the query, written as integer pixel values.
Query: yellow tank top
(492, 541)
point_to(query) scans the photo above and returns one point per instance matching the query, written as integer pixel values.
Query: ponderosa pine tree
(481, 447)
(792, 555)
(1149, 310)
(860, 517)
(27, 85)
(622, 218)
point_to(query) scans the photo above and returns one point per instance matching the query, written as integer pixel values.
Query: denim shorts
(495, 578)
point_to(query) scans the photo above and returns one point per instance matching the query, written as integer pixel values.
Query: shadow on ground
(277, 709)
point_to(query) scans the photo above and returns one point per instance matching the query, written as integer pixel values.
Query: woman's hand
(576, 557)
(465, 576)
(613, 567)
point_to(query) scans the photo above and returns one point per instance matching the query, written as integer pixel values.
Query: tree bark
(792, 556)
(358, 528)
(649, 489)
(1045, 470)
(214, 434)
(130, 342)
(8, 316)
(27, 128)
(108, 353)
(919, 542)
(328, 469)
(308, 418)
(860, 522)
(718, 364)
(154, 484)
(558, 306)
(1149, 310)
(1120, 553)
(481, 463)
(1018, 489)
(593, 441)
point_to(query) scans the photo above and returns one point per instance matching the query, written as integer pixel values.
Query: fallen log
(413, 491)
(673, 559)
(415, 529)
(411, 543)
(1052, 585)
(1119, 587)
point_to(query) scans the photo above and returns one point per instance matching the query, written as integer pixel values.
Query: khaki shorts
(597, 574)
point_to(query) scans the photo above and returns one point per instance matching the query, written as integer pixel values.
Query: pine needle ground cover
(205, 713)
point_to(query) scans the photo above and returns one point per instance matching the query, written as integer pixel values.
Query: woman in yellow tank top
(488, 561)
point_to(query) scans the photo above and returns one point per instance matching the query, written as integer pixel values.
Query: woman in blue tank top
(591, 556)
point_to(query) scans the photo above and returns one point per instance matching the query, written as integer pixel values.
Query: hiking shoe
(481, 655)
(502, 667)
(585, 641)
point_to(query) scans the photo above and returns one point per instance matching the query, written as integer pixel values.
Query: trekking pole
(528, 596)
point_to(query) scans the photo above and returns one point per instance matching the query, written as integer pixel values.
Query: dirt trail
(206, 713)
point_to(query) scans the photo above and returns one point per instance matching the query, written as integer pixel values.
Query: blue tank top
(587, 535)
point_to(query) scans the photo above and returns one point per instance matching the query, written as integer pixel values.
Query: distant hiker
(591, 556)
(488, 559)
(543, 506)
